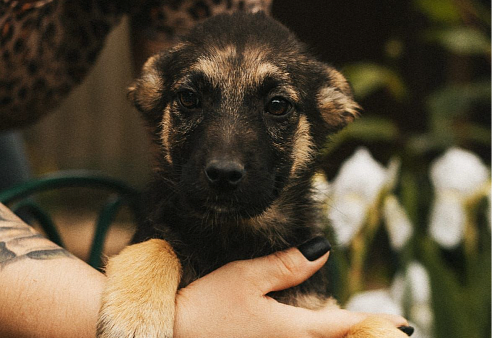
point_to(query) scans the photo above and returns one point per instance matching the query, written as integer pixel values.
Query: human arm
(44, 290)
(57, 295)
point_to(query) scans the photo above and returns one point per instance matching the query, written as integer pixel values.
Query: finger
(333, 322)
(395, 320)
(291, 267)
(346, 321)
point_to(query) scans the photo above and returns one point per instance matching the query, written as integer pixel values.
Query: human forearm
(44, 290)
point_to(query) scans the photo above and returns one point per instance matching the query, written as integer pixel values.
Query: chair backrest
(21, 200)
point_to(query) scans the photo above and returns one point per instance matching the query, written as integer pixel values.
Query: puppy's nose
(225, 174)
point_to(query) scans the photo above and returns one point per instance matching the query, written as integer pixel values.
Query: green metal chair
(21, 198)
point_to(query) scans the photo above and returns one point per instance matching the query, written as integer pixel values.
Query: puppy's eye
(278, 106)
(188, 99)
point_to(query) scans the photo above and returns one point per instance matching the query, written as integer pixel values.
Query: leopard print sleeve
(48, 46)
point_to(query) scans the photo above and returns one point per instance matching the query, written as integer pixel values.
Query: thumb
(285, 269)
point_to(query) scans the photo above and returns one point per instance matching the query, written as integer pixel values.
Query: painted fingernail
(315, 248)
(408, 330)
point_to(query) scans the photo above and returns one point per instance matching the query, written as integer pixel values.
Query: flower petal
(347, 215)
(398, 225)
(447, 223)
(374, 301)
(459, 170)
(360, 175)
(419, 281)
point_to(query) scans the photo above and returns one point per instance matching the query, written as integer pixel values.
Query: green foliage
(461, 280)
(367, 78)
(460, 40)
(442, 11)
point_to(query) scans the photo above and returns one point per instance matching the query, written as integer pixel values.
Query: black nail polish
(315, 248)
(408, 330)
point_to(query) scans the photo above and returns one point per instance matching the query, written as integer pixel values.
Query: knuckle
(287, 265)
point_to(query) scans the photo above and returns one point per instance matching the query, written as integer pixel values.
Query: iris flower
(361, 185)
(459, 178)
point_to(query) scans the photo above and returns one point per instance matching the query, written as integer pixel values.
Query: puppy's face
(239, 111)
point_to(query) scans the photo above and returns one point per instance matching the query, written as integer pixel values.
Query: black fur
(179, 198)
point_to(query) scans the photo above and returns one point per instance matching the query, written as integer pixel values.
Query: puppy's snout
(226, 174)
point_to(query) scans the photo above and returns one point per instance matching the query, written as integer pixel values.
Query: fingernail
(315, 248)
(408, 330)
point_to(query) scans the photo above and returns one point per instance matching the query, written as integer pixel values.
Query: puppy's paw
(374, 327)
(139, 298)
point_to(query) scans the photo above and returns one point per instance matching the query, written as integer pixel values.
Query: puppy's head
(239, 110)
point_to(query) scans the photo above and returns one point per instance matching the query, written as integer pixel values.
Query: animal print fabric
(48, 46)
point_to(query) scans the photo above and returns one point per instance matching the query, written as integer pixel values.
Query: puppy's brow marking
(225, 68)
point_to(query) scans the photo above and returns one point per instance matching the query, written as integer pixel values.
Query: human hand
(232, 302)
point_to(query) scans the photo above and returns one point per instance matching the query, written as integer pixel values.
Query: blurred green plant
(441, 280)
(449, 105)
(459, 274)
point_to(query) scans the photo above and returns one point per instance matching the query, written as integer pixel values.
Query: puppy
(238, 112)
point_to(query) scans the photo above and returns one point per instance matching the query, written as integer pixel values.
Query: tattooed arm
(44, 290)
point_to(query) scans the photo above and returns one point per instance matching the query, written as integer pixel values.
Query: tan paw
(139, 298)
(374, 327)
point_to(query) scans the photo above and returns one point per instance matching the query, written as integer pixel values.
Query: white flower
(457, 176)
(448, 216)
(411, 289)
(398, 225)
(355, 191)
(489, 209)
(374, 301)
(459, 170)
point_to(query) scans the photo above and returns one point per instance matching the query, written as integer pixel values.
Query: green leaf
(366, 78)
(451, 316)
(447, 104)
(368, 129)
(442, 11)
(477, 133)
(461, 40)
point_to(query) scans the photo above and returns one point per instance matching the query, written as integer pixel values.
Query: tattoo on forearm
(19, 241)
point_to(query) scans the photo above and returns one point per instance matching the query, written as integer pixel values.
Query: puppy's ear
(335, 100)
(146, 92)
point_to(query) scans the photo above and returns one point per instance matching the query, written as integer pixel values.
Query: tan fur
(335, 101)
(337, 108)
(146, 92)
(139, 298)
(375, 327)
(219, 68)
(166, 129)
(338, 80)
(303, 146)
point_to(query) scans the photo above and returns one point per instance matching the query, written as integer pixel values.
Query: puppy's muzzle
(224, 174)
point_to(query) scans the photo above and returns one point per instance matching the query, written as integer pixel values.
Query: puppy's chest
(198, 258)
(202, 253)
